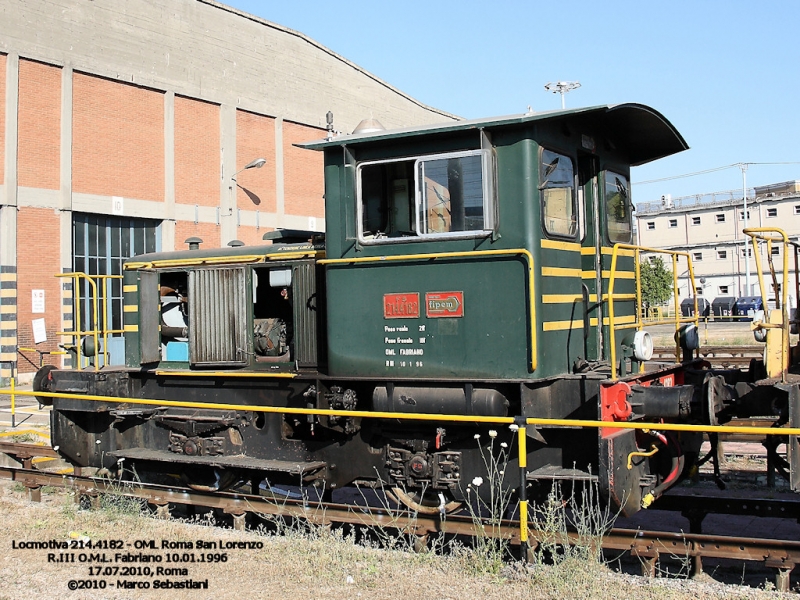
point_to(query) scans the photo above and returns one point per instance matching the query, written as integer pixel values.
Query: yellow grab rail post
(100, 327)
(769, 235)
(638, 320)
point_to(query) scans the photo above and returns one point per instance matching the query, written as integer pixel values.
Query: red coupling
(614, 403)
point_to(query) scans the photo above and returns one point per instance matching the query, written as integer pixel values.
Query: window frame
(773, 210)
(673, 223)
(697, 256)
(723, 290)
(540, 193)
(722, 255)
(605, 176)
(489, 203)
(696, 221)
(651, 225)
(720, 218)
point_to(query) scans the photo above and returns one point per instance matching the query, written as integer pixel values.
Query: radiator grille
(218, 317)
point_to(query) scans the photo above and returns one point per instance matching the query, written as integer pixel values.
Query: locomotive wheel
(209, 479)
(425, 503)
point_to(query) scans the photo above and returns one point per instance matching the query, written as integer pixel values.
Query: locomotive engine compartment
(471, 276)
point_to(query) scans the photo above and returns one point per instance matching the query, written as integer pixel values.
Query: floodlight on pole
(562, 87)
(743, 167)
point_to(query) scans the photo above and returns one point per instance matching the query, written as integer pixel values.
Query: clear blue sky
(725, 73)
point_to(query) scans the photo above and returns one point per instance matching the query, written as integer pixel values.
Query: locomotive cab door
(591, 255)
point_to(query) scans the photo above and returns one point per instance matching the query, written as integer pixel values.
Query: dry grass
(320, 564)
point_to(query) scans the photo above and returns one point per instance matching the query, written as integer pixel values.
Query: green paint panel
(490, 340)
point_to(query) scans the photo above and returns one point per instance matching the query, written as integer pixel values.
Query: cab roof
(642, 132)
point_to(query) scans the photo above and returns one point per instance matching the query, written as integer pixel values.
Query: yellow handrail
(100, 322)
(770, 235)
(638, 322)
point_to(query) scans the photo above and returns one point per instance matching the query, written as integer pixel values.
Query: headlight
(642, 345)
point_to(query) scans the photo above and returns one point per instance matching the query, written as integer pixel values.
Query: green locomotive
(477, 268)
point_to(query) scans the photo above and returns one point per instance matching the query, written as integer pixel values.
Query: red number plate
(401, 306)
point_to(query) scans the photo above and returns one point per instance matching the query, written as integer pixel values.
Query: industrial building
(709, 227)
(127, 127)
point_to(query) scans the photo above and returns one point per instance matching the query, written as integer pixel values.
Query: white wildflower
(503, 445)
(514, 427)
(492, 433)
(477, 436)
(477, 482)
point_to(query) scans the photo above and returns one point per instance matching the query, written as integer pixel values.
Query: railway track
(718, 356)
(647, 546)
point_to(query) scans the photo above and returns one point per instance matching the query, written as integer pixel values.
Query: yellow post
(523, 488)
(13, 404)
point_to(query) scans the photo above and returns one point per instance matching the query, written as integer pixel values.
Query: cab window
(439, 196)
(618, 207)
(557, 186)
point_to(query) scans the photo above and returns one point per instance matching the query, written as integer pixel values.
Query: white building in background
(710, 226)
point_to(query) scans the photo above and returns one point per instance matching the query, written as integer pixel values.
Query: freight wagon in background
(478, 269)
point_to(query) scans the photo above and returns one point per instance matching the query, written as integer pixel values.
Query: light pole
(562, 87)
(743, 167)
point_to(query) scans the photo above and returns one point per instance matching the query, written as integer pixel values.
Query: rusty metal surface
(237, 461)
(781, 554)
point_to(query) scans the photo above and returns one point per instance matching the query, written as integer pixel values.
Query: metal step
(554, 473)
(236, 462)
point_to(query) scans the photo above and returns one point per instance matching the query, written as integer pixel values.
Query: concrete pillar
(8, 226)
(227, 188)
(280, 207)
(168, 223)
(65, 206)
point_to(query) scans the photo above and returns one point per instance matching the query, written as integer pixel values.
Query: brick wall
(255, 138)
(209, 232)
(303, 175)
(2, 117)
(38, 251)
(39, 119)
(197, 152)
(252, 236)
(118, 139)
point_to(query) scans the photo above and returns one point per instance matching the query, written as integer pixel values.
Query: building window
(723, 290)
(722, 254)
(695, 220)
(747, 252)
(741, 214)
(651, 225)
(100, 245)
(772, 212)
(697, 256)
(673, 223)
(720, 217)
(776, 250)
(699, 290)
(797, 209)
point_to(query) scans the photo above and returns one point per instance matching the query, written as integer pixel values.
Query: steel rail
(648, 546)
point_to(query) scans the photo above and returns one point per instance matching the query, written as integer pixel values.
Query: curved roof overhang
(641, 132)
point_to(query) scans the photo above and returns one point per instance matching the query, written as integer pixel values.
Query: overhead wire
(713, 170)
